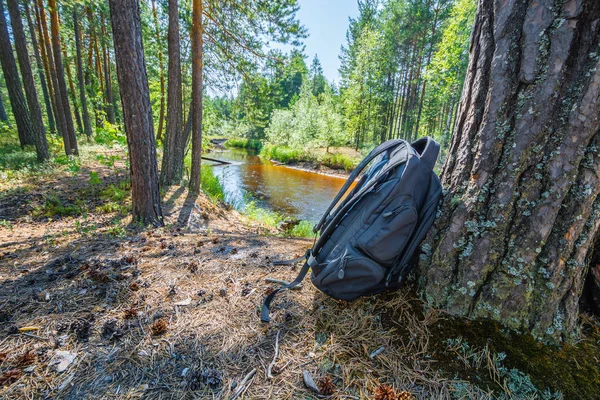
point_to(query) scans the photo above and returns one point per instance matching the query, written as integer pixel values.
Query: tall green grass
(252, 144)
(273, 220)
(285, 154)
(339, 161)
(210, 184)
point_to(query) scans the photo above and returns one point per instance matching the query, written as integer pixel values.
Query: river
(295, 193)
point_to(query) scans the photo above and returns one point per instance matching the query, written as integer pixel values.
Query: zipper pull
(388, 278)
(341, 272)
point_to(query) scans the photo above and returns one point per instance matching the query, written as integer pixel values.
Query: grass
(253, 144)
(286, 155)
(210, 184)
(272, 220)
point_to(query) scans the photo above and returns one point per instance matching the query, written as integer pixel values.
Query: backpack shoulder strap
(266, 308)
(428, 150)
(374, 153)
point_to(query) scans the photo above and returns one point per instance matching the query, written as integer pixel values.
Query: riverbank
(334, 161)
(94, 307)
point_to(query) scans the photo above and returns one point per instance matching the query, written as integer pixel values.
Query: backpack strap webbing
(372, 155)
(428, 150)
(310, 262)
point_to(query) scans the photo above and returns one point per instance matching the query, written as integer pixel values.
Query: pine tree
(35, 111)
(137, 112)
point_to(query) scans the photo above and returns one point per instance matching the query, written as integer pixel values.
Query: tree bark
(513, 240)
(48, 61)
(137, 111)
(197, 30)
(3, 116)
(175, 139)
(13, 84)
(61, 88)
(110, 103)
(161, 68)
(87, 126)
(35, 111)
(41, 71)
(71, 89)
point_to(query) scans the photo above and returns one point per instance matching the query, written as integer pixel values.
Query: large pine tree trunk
(174, 143)
(137, 112)
(13, 84)
(516, 228)
(110, 103)
(35, 111)
(196, 113)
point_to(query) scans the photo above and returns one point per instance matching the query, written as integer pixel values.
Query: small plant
(7, 224)
(95, 178)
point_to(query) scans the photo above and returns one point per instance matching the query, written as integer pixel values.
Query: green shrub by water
(339, 161)
(252, 144)
(273, 220)
(285, 154)
(210, 184)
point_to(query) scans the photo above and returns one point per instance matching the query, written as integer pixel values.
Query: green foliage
(210, 184)
(252, 144)
(110, 135)
(310, 122)
(95, 178)
(447, 70)
(285, 155)
(54, 206)
(274, 220)
(339, 161)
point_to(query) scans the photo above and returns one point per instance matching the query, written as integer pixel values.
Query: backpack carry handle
(428, 150)
(374, 153)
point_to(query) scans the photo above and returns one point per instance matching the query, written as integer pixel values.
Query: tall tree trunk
(161, 72)
(47, 61)
(197, 30)
(3, 116)
(137, 111)
(514, 238)
(60, 77)
(40, 69)
(175, 140)
(13, 84)
(35, 111)
(110, 104)
(87, 126)
(72, 91)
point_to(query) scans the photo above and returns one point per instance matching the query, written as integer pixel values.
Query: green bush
(339, 161)
(210, 184)
(110, 135)
(252, 144)
(284, 154)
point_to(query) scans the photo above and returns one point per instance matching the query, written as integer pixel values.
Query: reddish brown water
(296, 193)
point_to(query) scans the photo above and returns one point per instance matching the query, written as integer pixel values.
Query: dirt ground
(92, 307)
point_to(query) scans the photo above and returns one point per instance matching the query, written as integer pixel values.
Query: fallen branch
(282, 282)
(270, 370)
(244, 384)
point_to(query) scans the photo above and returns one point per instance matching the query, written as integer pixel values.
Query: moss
(572, 370)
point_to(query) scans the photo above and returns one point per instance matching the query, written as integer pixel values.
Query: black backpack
(366, 243)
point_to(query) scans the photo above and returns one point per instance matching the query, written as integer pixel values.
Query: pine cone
(326, 386)
(405, 395)
(386, 392)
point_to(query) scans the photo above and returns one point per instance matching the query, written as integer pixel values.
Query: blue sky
(326, 22)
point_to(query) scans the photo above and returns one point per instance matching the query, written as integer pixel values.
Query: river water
(298, 194)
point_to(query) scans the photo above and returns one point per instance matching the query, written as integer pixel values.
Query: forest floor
(92, 306)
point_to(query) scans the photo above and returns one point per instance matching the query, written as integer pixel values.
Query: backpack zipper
(341, 272)
(395, 212)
